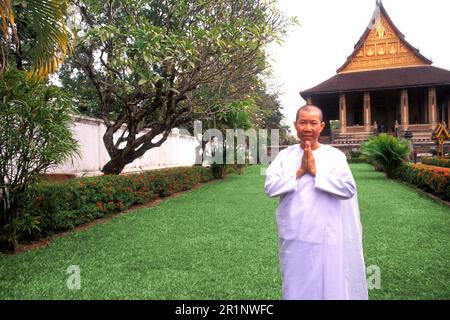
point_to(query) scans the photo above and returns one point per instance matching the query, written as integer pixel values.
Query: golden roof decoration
(441, 133)
(382, 46)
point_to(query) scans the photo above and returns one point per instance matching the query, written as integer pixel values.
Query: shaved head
(309, 108)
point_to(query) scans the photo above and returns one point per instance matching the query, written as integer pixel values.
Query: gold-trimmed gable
(382, 46)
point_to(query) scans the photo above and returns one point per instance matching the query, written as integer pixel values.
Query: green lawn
(219, 242)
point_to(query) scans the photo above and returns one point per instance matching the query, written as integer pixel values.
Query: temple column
(448, 114)
(309, 101)
(432, 110)
(367, 114)
(404, 109)
(343, 112)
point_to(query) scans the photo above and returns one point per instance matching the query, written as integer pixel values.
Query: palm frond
(48, 20)
(386, 151)
(7, 25)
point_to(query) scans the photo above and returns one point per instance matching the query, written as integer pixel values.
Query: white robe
(319, 226)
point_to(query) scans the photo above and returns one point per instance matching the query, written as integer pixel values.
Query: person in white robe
(319, 229)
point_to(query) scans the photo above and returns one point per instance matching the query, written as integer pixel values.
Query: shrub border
(52, 208)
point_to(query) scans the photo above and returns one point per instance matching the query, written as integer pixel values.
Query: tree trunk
(118, 163)
(9, 214)
(114, 166)
(7, 244)
(121, 157)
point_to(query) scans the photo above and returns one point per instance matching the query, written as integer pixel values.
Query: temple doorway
(385, 109)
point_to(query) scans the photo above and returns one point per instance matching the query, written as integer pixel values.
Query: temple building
(386, 85)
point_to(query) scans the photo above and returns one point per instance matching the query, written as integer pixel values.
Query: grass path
(407, 235)
(219, 242)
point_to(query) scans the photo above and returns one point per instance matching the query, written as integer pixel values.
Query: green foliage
(235, 168)
(156, 40)
(34, 135)
(357, 160)
(236, 117)
(40, 34)
(356, 157)
(437, 161)
(163, 64)
(51, 208)
(355, 154)
(335, 124)
(387, 152)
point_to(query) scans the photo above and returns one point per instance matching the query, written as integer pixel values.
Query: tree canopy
(155, 65)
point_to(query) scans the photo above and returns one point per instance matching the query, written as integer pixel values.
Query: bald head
(309, 108)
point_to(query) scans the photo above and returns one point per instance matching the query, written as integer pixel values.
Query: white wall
(177, 150)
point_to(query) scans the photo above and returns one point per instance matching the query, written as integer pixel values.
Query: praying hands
(308, 163)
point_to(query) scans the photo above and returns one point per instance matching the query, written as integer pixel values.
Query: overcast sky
(313, 51)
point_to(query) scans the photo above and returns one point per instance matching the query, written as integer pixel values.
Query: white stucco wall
(177, 150)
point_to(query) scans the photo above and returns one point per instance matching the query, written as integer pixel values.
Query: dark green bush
(357, 160)
(355, 154)
(52, 208)
(387, 152)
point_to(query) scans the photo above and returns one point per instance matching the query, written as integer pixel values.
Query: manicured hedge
(52, 208)
(436, 161)
(357, 160)
(434, 180)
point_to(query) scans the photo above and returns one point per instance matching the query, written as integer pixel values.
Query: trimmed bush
(52, 208)
(434, 180)
(355, 154)
(436, 161)
(357, 160)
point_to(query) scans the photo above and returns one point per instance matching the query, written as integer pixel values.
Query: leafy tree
(35, 33)
(387, 152)
(236, 118)
(269, 115)
(34, 135)
(156, 65)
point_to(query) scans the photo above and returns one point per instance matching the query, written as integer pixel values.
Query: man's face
(309, 126)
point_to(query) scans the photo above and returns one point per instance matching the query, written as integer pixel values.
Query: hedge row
(436, 161)
(434, 180)
(52, 208)
(357, 160)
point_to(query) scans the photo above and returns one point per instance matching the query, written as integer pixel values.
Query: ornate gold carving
(370, 50)
(383, 62)
(403, 48)
(393, 48)
(381, 30)
(382, 49)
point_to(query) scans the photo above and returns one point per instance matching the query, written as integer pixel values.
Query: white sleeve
(277, 182)
(336, 179)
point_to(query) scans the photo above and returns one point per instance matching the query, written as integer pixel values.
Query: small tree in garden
(34, 135)
(238, 118)
(387, 152)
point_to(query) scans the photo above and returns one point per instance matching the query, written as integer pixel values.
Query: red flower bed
(52, 208)
(432, 179)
